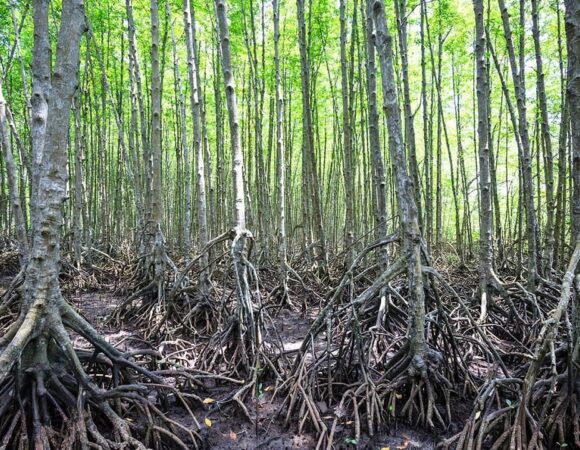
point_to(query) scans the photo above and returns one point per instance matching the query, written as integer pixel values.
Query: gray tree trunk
(488, 282)
(548, 254)
(401, 13)
(379, 182)
(197, 143)
(245, 306)
(407, 208)
(346, 141)
(15, 199)
(310, 172)
(281, 168)
(525, 160)
(42, 304)
(572, 19)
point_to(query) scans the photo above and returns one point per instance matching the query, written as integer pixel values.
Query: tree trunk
(488, 282)
(525, 160)
(192, 68)
(157, 243)
(41, 57)
(346, 141)
(242, 235)
(15, 199)
(309, 160)
(548, 256)
(572, 19)
(408, 215)
(137, 94)
(401, 13)
(380, 185)
(281, 168)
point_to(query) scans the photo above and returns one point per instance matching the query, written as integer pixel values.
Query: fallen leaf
(269, 388)
(477, 414)
(398, 396)
(208, 422)
(385, 448)
(207, 401)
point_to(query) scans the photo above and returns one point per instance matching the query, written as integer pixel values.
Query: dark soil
(228, 428)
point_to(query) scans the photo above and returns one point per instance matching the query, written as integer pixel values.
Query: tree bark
(42, 303)
(192, 68)
(407, 208)
(525, 160)
(488, 282)
(309, 160)
(572, 19)
(346, 141)
(548, 254)
(401, 13)
(245, 306)
(380, 185)
(15, 198)
(281, 168)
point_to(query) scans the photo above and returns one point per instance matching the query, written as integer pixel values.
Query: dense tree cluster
(408, 169)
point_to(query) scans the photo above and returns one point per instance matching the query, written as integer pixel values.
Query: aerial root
(299, 398)
(489, 425)
(365, 401)
(418, 381)
(61, 406)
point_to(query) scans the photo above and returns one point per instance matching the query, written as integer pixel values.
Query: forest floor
(223, 426)
(229, 429)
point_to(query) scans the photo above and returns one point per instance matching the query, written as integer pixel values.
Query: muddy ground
(229, 428)
(226, 427)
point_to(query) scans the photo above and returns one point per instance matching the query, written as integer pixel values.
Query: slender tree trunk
(380, 185)
(464, 186)
(548, 256)
(192, 67)
(488, 282)
(15, 199)
(185, 244)
(78, 177)
(572, 19)
(346, 141)
(237, 154)
(408, 215)
(401, 13)
(280, 151)
(561, 189)
(136, 82)
(525, 160)
(427, 141)
(158, 244)
(309, 159)
(242, 235)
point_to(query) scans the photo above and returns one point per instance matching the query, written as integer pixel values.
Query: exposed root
(167, 303)
(542, 411)
(68, 398)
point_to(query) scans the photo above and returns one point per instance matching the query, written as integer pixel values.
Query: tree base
(54, 396)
